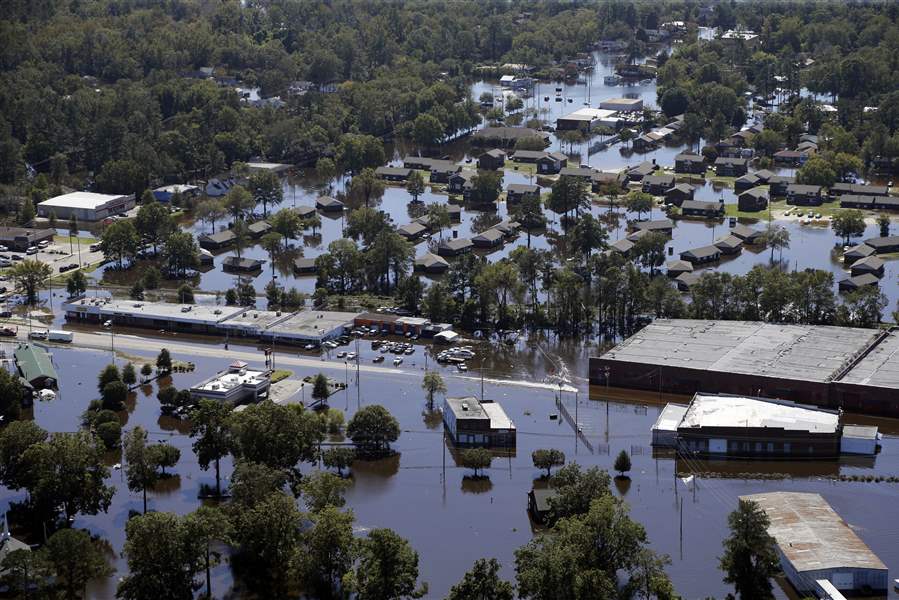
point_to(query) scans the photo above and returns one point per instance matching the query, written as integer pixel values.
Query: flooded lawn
(452, 520)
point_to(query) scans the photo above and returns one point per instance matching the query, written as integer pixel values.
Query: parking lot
(58, 255)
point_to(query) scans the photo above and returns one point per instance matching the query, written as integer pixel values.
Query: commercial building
(622, 104)
(85, 206)
(850, 368)
(817, 549)
(21, 238)
(35, 366)
(195, 318)
(587, 118)
(309, 326)
(167, 192)
(235, 385)
(474, 423)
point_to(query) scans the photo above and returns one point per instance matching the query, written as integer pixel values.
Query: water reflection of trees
(476, 485)
(382, 467)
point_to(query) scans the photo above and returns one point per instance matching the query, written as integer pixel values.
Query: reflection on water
(472, 484)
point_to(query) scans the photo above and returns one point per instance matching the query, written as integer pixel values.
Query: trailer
(60, 336)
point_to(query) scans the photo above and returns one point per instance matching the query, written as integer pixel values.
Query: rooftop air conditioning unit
(465, 406)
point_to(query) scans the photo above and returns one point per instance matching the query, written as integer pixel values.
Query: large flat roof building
(234, 385)
(471, 422)
(816, 545)
(197, 318)
(838, 367)
(313, 326)
(86, 206)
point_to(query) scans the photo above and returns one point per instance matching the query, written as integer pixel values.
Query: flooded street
(452, 521)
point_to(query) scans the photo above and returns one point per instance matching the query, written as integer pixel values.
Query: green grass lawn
(280, 374)
(64, 239)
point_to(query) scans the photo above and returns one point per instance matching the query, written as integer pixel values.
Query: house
(640, 171)
(886, 203)
(539, 503)
(393, 173)
(622, 246)
(686, 281)
(746, 182)
(601, 179)
(731, 167)
(35, 366)
(441, 171)
(431, 263)
(507, 137)
(85, 206)
(217, 186)
(461, 183)
(508, 227)
(657, 185)
(747, 234)
(689, 163)
(637, 235)
(839, 189)
(804, 195)
(257, 229)
(20, 239)
(516, 192)
(454, 247)
(790, 158)
(412, 231)
(492, 160)
(699, 208)
(884, 245)
(551, 163)
(857, 201)
(651, 139)
(777, 185)
(216, 241)
(665, 226)
(858, 282)
(471, 422)
(703, 255)
(753, 200)
(528, 156)
(492, 238)
(729, 245)
(869, 264)
(167, 192)
(583, 173)
(235, 385)
(242, 264)
(679, 193)
(328, 204)
(305, 266)
(420, 163)
(674, 268)
(455, 212)
(857, 253)
(303, 212)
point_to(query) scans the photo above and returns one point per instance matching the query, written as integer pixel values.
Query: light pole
(109, 325)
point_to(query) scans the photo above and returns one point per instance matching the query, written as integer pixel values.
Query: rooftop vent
(465, 406)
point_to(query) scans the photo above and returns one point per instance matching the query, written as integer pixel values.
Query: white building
(587, 118)
(86, 206)
(235, 385)
(474, 423)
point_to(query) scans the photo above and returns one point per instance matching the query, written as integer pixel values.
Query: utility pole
(358, 378)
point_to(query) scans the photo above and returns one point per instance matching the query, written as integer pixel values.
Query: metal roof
(670, 417)
(721, 410)
(804, 352)
(811, 535)
(87, 200)
(880, 366)
(34, 363)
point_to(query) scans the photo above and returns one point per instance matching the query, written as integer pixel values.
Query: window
(786, 447)
(758, 446)
(745, 446)
(770, 447)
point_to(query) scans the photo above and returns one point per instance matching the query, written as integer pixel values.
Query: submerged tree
(750, 558)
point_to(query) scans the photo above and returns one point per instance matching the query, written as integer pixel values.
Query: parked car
(17, 257)
(95, 247)
(43, 244)
(38, 334)
(32, 250)
(378, 359)
(7, 332)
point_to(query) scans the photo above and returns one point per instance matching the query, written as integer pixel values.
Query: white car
(39, 334)
(32, 250)
(351, 356)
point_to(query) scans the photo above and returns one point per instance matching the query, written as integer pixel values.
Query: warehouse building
(86, 206)
(471, 422)
(818, 551)
(194, 318)
(850, 368)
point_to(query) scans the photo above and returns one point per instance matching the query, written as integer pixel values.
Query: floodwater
(452, 520)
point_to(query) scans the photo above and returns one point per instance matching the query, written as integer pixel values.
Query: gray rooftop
(804, 352)
(670, 417)
(811, 535)
(880, 367)
(312, 323)
(189, 313)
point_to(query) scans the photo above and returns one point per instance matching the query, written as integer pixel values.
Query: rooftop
(804, 352)
(155, 310)
(312, 323)
(261, 319)
(88, 200)
(720, 410)
(670, 417)
(236, 375)
(811, 535)
(470, 407)
(880, 366)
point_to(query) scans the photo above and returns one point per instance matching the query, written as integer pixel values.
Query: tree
(271, 243)
(151, 279)
(476, 459)
(75, 559)
(287, 224)
(415, 185)
(141, 463)
(180, 254)
(265, 186)
(338, 458)
(367, 186)
(114, 395)
(626, 135)
(674, 101)
(329, 551)
(15, 439)
(356, 152)
(164, 361)
(322, 489)
(320, 389)
(816, 171)
(588, 235)
(547, 459)
(109, 374)
(146, 371)
(153, 224)
(432, 383)
(166, 455)
(76, 284)
(212, 436)
(129, 375)
(26, 572)
(210, 211)
(208, 525)
(238, 201)
(326, 169)
(776, 237)
(639, 202)
(575, 489)
(529, 213)
(482, 582)
(622, 463)
(849, 223)
(568, 194)
(164, 553)
(883, 222)
(275, 435)
(486, 187)
(27, 213)
(649, 250)
(51, 220)
(268, 535)
(750, 558)
(29, 277)
(388, 568)
(120, 242)
(427, 130)
(66, 472)
(372, 430)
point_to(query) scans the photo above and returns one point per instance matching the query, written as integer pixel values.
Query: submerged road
(125, 342)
